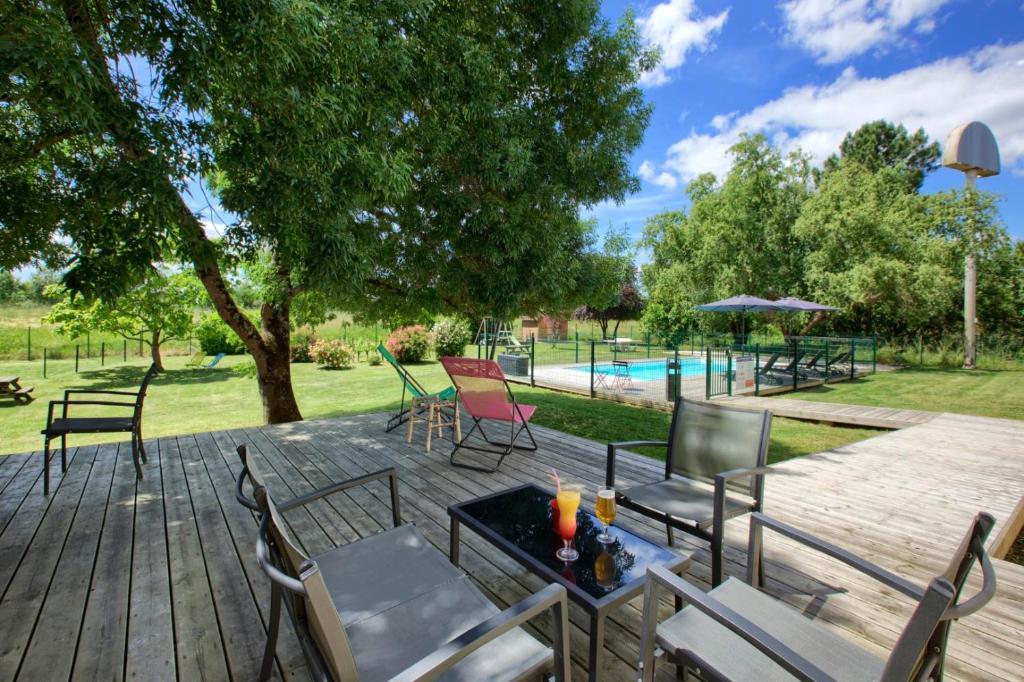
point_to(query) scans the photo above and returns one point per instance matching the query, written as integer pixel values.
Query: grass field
(983, 392)
(183, 401)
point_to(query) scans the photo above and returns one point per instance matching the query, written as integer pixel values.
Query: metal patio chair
(65, 425)
(737, 632)
(414, 389)
(391, 606)
(714, 471)
(485, 394)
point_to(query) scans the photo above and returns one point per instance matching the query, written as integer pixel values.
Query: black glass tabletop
(522, 522)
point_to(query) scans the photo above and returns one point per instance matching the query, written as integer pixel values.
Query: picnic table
(10, 388)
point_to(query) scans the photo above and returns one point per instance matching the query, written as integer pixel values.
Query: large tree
(158, 310)
(881, 144)
(736, 239)
(387, 154)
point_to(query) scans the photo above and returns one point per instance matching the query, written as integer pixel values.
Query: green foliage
(10, 290)
(215, 336)
(332, 354)
(156, 311)
(246, 369)
(880, 144)
(736, 238)
(300, 343)
(409, 344)
(450, 336)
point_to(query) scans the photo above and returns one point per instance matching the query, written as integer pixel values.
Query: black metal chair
(714, 471)
(391, 606)
(64, 425)
(737, 632)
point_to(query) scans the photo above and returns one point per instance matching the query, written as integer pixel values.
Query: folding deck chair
(485, 394)
(197, 360)
(412, 387)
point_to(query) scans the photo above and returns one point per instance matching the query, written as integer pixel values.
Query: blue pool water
(650, 370)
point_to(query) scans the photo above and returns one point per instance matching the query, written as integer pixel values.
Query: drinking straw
(558, 483)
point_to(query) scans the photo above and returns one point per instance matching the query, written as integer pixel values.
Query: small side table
(435, 417)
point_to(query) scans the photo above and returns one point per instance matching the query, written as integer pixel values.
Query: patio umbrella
(742, 304)
(790, 304)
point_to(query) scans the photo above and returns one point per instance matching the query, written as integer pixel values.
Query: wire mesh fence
(645, 373)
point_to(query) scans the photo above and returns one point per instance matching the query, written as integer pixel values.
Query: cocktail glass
(568, 503)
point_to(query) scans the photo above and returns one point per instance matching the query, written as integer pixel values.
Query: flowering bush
(301, 341)
(409, 344)
(450, 337)
(332, 354)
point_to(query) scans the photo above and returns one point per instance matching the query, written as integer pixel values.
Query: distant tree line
(857, 234)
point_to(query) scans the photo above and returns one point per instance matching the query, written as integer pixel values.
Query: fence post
(140, 346)
(88, 346)
(125, 358)
(103, 352)
(533, 355)
(874, 354)
(44, 362)
(828, 368)
(76, 358)
(577, 345)
(190, 344)
(757, 369)
(853, 358)
(796, 363)
(592, 367)
(707, 376)
(728, 371)
(29, 353)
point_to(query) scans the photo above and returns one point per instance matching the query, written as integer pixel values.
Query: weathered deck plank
(157, 580)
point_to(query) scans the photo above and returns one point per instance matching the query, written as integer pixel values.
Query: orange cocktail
(568, 502)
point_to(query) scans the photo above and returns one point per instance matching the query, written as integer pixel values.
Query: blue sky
(804, 72)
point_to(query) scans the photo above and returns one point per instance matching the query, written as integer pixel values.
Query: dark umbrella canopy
(741, 304)
(801, 306)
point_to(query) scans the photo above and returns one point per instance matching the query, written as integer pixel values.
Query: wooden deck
(832, 413)
(157, 580)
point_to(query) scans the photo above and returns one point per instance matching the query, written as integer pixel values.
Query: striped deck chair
(485, 394)
(410, 386)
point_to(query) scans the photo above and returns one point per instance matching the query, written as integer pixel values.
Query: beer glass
(605, 513)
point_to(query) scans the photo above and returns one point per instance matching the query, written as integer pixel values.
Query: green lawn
(988, 393)
(184, 400)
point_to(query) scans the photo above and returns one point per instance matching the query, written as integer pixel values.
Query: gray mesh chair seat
(396, 587)
(695, 637)
(737, 632)
(687, 501)
(714, 470)
(391, 606)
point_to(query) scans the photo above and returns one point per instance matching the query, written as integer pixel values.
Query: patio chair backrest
(216, 358)
(481, 385)
(921, 647)
(707, 439)
(292, 555)
(411, 384)
(325, 625)
(140, 398)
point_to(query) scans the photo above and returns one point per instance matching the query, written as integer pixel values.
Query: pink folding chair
(485, 394)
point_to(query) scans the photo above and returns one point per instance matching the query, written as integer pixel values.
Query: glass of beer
(604, 570)
(568, 503)
(605, 513)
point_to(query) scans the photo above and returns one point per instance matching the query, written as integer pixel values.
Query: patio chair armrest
(984, 595)
(390, 473)
(763, 641)
(551, 597)
(733, 474)
(69, 391)
(246, 502)
(882, 575)
(268, 567)
(66, 403)
(613, 448)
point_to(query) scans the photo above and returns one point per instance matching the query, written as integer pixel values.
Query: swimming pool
(649, 370)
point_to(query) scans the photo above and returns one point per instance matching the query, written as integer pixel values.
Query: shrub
(332, 354)
(215, 336)
(450, 337)
(374, 358)
(409, 344)
(301, 341)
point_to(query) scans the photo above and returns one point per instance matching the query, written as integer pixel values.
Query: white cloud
(986, 86)
(676, 27)
(647, 173)
(833, 30)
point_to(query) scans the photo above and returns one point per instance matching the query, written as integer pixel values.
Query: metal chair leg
(46, 466)
(63, 454)
(135, 457)
(275, 622)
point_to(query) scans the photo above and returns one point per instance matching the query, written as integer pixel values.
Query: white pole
(970, 282)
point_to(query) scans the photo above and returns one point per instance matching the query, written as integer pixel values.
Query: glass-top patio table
(519, 523)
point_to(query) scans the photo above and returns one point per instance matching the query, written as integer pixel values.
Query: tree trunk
(603, 324)
(273, 364)
(154, 350)
(615, 331)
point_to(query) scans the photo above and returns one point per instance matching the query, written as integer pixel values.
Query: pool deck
(110, 578)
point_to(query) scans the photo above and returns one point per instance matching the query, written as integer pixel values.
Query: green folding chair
(197, 360)
(412, 387)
